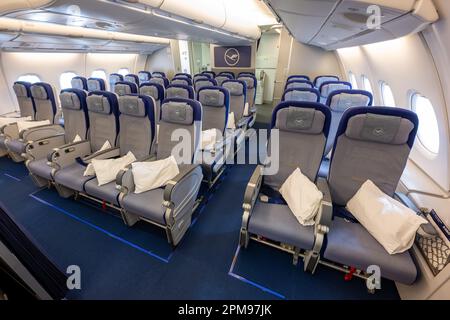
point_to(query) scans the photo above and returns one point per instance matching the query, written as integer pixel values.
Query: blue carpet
(118, 262)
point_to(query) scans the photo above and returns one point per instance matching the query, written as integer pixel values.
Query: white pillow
(231, 123)
(302, 197)
(154, 174)
(209, 139)
(23, 125)
(90, 168)
(77, 139)
(391, 223)
(107, 170)
(7, 120)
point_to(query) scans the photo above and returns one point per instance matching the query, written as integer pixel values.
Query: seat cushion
(16, 146)
(350, 244)
(41, 169)
(107, 192)
(147, 204)
(72, 177)
(276, 222)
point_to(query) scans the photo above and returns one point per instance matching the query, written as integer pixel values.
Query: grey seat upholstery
(303, 129)
(157, 92)
(298, 77)
(221, 78)
(73, 104)
(180, 195)
(295, 83)
(124, 87)
(371, 143)
(161, 81)
(204, 82)
(341, 100)
(96, 84)
(209, 74)
(71, 160)
(159, 74)
(227, 73)
(238, 98)
(199, 76)
(25, 99)
(183, 75)
(321, 79)
(327, 87)
(215, 103)
(144, 76)
(79, 83)
(181, 81)
(252, 84)
(180, 91)
(132, 78)
(113, 79)
(301, 94)
(137, 134)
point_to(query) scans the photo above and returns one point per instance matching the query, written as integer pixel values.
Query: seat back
(44, 101)
(183, 75)
(182, 80)
(209, 74)
(103, 109)
(223, 77)
(215, 104)
(156, 91)
(227, 73)
(298, 77)
(79, 83)
(179, 114)
(296, 83)
(251, 83)
(96, 84)
(303, 130)
(200, 83)
(124, 87)
(144, 76)
(238, 97)
(113, 79)
(301, 94)
(340, 101)
(329, 86)
(137, 125)
(159, 74)
(25, 99)
(242, 74)
(199, 76)
(76, 118)
(132, 78)
(160, 80)
(321, 79)
(180, 91)
(371, 143)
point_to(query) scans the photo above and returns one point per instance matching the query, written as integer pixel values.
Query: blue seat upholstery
(301, 94)
(182, 80)
(298, 77)
(371, 144)
(209, 74)
(144, 76)
(113, 79)
(132, 78)
(227, 73)
(246, 74)
(79, 83)
(96, 84)
(125, 87)
(321, 79)
(159, 74)
(299, 83)
(183, 75)
(327, 87)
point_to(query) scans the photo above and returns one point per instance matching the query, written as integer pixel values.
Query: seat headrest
(41, 91)
(198, 77)
(135, 105)
(125, 87)
(328, 87)
(180, 91)
(226, 73)
(115, 77)
(205, 82)
(223, 77)
(298, 84)
(74, 99)
(242, 74)
(249, 80)
(159, 74)
(22, 89)
(302, 117)
(210, 74)
(153, 90)
(102, 102)
(144, 76)
(182, 80)
(160, 80)
(95, 84)
(131, 78)
(181, 111)
(79, 83)
(321, 79)
(213, 96)
(236, 87)
(342, 100)
(183, 75)
(301, 94)
(298, 77)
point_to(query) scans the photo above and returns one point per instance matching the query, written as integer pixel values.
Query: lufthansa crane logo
(232, 57)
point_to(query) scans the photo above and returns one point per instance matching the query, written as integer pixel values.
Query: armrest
(40, 149)
(180, 190)
(325, 215)
(251, 194)
(39, 132)
(67, 154)
(101, 155)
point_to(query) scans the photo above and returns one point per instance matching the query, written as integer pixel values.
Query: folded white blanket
(6, 120)
(23, 125)
(153, 174)
(107, 170)
(90, 168)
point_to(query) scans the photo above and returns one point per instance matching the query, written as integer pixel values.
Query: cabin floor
(118, 262)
